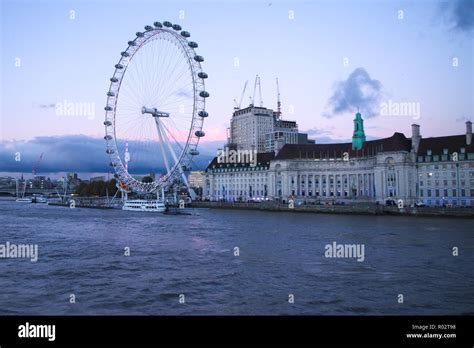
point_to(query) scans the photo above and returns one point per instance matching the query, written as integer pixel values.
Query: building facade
(238, 181)
(196, 178)
(436, 171)
(249, 126)
(283, 132)
(262, 130)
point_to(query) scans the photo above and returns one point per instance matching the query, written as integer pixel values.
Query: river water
(81, 252)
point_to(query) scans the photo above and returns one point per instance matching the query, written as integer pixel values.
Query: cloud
(82, 154)
(358, 91)
(459, 14)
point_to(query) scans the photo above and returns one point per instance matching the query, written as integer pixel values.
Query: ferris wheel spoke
(176, 94)
(167, 88)
(159, 73)
(176, 131)
(183, 176)
(167, 59)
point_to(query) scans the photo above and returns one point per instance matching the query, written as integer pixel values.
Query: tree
(96, 188)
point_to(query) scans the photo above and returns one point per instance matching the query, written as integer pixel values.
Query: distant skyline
(330, 58)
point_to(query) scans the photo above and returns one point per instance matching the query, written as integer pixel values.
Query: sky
(331, 57)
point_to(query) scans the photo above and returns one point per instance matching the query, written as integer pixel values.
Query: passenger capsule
(140, 34)
(111, 94)
(132, 43)
(158, 25)
(198, 58)
(192, 44)
(108, 108)
(199, 133)
(176, 27)
(167, 24)
(125, 54)
(118, 66)
(110, 151)
(185, 34)
(203, 114)
(204, 94)
(108, 137)
(112, 164)
(107, 123)
(148, 27)
(193, 152)
(203, 75)
(113, 79)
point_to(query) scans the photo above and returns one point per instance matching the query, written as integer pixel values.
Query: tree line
(96, 188)
(100, 188)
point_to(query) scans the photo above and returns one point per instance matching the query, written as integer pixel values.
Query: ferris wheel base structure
(156, 98)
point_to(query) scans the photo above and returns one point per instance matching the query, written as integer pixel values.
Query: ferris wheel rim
(189, 149)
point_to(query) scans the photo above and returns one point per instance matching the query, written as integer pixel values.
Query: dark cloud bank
(78, 153)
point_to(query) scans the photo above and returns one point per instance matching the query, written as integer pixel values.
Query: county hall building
(434, 171)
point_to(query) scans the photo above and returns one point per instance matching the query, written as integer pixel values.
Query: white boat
(156, 206)
(24, 200)
(39, 199)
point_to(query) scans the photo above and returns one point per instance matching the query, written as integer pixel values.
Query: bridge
(32, 191)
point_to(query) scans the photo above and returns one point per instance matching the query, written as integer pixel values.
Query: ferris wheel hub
(154, 112)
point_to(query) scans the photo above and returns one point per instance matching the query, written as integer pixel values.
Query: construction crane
(257, 82)
(238, 106)
(36, 164)
(278, 100)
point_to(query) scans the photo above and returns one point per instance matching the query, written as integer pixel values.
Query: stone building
(433, 171)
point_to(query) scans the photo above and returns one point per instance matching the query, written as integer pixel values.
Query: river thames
(279, 255)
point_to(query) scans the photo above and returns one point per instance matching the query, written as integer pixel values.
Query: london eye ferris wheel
(155, 103)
